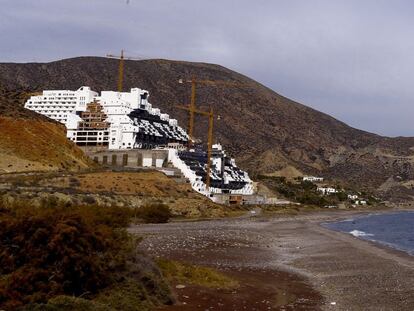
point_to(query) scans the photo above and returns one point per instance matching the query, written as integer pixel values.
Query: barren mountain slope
(31, 142)
(263, 129)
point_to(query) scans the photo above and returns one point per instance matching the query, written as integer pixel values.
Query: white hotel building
(147, 129)
(58, 104)
(126, 120)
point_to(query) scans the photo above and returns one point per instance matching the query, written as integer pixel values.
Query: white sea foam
(358, 233)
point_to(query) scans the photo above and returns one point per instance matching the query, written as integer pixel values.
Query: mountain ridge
(264, 130)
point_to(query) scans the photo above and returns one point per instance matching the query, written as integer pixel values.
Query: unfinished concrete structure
(122, 129)
(92, 129)
(130, 158)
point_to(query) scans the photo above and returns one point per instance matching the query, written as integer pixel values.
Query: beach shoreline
(332, 270)
(389, 248)
(352, 273)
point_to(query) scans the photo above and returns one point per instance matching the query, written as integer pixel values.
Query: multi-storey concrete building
(133, 122)
(90, 127)
(225, 176)
(120, 121)
(57, 105)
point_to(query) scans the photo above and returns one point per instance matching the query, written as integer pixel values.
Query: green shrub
(308, 185)
(154, 213)
(67, 303)
(89, 200)
(341, 196)
(312, 199)
(134, 296)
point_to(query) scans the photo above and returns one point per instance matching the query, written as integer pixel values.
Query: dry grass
(132, 189)
(30, 145)
(149, 183)
(183, 273)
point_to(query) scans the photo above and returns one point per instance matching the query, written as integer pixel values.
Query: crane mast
(192, 110)
(121, 70)
(210, 116)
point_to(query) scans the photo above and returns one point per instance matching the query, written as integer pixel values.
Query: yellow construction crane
(193, 110)
(121, 67)
(192, 107)
(210, 116)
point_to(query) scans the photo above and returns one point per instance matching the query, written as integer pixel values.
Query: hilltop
(266, 132)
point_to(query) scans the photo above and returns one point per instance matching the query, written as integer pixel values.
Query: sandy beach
(285, 263)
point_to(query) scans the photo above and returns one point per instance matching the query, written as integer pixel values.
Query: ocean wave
(358, 233)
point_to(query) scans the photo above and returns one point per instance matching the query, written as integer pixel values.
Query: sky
(352, 59)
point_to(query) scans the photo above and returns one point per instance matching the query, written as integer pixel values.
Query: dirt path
(285, 264)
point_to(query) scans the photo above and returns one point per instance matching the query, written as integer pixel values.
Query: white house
(352, 196)
(361, 202)
(312, 178)
(327, 190)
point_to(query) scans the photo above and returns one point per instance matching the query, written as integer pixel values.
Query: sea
(394, 230)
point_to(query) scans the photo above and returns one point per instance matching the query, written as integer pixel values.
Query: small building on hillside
(312, 178)
(352, 196)
(327, 190)
(361, 202)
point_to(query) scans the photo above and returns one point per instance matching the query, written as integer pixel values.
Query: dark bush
(308, 185)
(286, 190)
(74, 182)
(312, 199)
(89, 200)
(59, 251)
(155, 213)
(341, 196)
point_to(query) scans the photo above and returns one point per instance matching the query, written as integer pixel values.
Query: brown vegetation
(48, 252)
(78, 251)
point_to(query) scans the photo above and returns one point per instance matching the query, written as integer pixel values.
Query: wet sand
(289, 263)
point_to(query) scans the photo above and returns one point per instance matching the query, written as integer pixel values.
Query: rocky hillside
(265, 131)
(31, 142)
